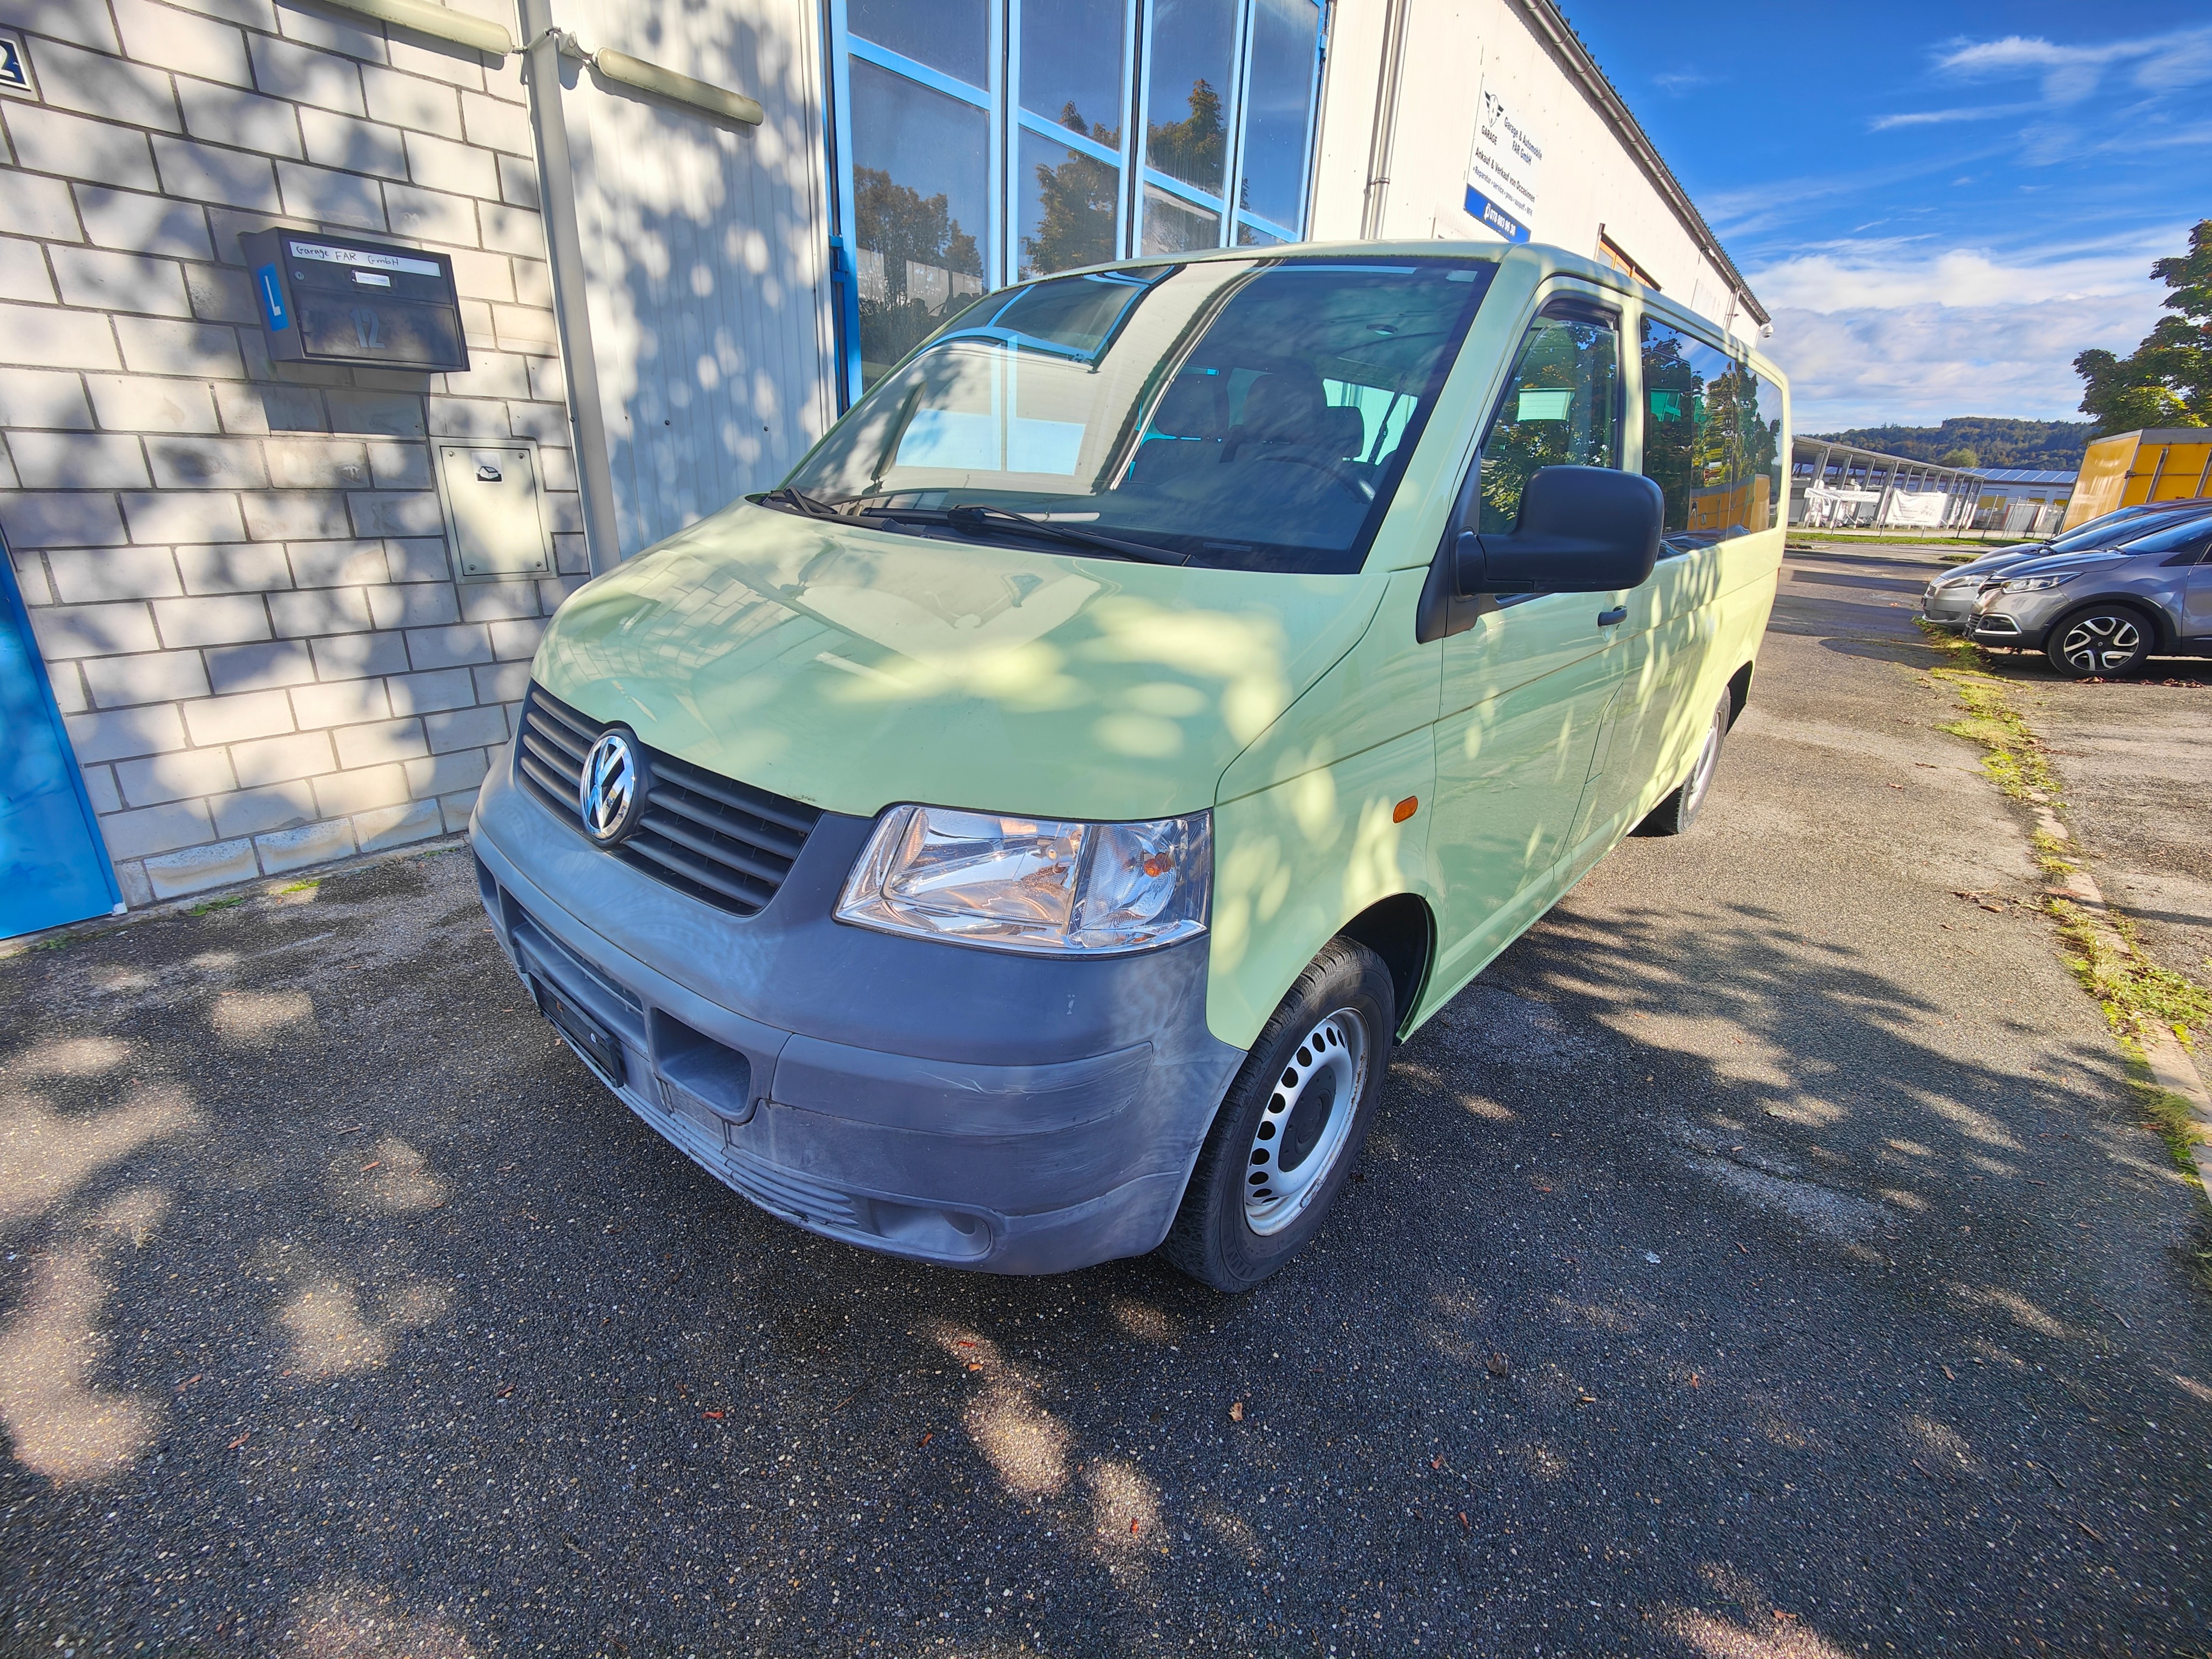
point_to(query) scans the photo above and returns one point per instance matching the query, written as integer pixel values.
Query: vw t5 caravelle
(1017, 841)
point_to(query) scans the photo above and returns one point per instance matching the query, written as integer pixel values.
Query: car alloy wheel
(2100, 642)
(1308, 1118)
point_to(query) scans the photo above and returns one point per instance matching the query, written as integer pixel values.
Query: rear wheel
(1680, 810)
(1291, 1128)
(2106, 640)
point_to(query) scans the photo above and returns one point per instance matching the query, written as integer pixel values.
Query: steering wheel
(1337, 473)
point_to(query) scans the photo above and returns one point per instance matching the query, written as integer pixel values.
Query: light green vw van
(1018, 840)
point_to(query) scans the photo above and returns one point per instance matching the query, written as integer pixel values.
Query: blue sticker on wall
(14, 68)
(1481, 207)
(272, 297)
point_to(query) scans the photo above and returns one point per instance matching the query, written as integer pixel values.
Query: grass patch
(2167, 1114)
(307, 886)
(2011, 753)
(2198, 1252)
(2135, 992)
(210, 906)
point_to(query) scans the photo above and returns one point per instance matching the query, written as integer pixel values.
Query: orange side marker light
(1405, 809)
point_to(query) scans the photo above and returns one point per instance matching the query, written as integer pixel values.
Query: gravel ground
(1762, 1258)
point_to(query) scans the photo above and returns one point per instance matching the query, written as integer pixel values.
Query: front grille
(726, 843)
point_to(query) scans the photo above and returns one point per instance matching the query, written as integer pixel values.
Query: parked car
(1017, 841)
(2103, 611)
(1949, 601)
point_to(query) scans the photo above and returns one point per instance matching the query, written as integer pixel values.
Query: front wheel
(1680, 810)
(1291, 1128)
(2106, 640)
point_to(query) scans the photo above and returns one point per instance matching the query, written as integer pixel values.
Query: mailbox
(339, 300)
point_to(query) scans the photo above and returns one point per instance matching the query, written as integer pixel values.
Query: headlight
(2037, 584)
(1041, 885)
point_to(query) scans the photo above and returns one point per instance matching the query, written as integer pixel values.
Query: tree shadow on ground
(344, 1313)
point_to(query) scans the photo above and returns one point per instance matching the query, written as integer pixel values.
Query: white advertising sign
(1502, 168)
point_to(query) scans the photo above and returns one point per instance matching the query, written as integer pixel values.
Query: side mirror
(1582, 530)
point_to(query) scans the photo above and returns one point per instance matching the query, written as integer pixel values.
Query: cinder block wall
(237, 570)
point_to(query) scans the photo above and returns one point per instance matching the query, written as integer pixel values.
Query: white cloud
(1896, 332)
(1932, 118)
(1904, 273)
(2069, 74)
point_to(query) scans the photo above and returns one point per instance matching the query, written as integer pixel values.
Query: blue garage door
(52, 867)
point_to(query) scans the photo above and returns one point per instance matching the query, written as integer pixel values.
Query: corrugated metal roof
(2025, 475)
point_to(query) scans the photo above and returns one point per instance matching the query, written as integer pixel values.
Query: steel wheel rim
(1709, 760)
(1325, 1075)
(2100, 641)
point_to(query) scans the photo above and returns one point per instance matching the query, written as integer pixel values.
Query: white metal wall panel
(1588, 178)
(707, 251)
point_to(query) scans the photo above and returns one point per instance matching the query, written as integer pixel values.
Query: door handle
(1607, 618)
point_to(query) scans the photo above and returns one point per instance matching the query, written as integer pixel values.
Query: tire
(2105, 641)
(1246, 1211)
(1675, 814)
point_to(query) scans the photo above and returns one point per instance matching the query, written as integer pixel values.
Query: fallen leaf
(1495, 1364)
(248, 1435)
(189, 1381)
(1947, 1374)
(1697, 1381)
(975, 1364)
(376, 1164)
(963, 1343)
(927, 1438)
(1541, 1188)
(1132, 1526)
(1586, 1400)
(1437, 1461)
(715, 1416)
(1464, 1522)
(1236, 1411)
(501, 1393)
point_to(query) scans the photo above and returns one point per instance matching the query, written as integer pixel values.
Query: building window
(985, 142)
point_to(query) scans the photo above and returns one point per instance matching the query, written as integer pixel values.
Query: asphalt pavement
(1763, 1258)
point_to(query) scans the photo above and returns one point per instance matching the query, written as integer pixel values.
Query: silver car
(1948, 600)
(2103, 611)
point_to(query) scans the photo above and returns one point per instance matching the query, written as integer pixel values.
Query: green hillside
(2053, 445)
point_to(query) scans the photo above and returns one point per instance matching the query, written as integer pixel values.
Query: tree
(1193, 149)
(1961, 458)
(1079, 198)
(2167, 380)
(896, 223)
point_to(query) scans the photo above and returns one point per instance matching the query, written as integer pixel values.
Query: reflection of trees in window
(1557, 412)
(1673, 409)
(1078, 199)
(1192, 149)
(902, 228)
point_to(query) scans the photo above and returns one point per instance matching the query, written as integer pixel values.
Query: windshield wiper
(798, 500)
(974, 519)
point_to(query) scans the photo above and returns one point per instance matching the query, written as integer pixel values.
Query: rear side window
(2186, 539)
(1561, 408)
(1712, 437)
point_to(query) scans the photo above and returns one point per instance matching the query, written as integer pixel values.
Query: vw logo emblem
(611, 793)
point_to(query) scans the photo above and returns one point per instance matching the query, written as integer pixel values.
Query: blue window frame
(979, 142)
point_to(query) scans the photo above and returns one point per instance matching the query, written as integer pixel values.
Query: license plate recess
(598, 1046)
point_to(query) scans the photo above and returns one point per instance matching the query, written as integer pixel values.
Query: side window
(1713, 438)
(1561, 408)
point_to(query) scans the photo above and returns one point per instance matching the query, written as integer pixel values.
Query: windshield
(1238, 413)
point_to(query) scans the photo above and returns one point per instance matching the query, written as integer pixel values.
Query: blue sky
(1940, 203)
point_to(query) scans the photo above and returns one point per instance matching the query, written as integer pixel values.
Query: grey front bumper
(968, 1107)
